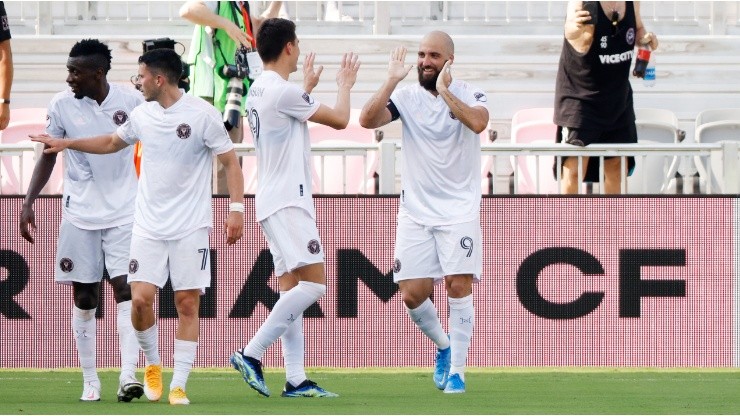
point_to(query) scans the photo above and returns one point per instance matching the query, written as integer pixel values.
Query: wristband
(236, 207)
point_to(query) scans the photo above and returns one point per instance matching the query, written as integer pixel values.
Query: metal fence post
(387, 168)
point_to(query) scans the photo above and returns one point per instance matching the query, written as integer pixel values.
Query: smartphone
(592, 7)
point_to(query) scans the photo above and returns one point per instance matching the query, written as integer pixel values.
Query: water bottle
(649, 79)
(641, 63)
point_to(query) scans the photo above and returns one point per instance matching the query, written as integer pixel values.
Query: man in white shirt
(173, 217)
(278, 112)
(438, 236)
(97, 209)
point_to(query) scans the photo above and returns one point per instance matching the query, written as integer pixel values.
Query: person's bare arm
(338, 117)
(109, 143)
(475, 118)
(234, 223)
(645, 37)
(39, 178)
(273, 10)
(579, 31)
(198, 13)
(375, 112)
(6, 81)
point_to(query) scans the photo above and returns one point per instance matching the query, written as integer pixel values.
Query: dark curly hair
(97, 51)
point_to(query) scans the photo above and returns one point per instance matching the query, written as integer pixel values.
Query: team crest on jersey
(452, 116)
(307, 98)
(480, 97)
(120, 117)
(183, 131)
(48, 121)
(66, 264)
(630, 36)
(396, 266)
(314, 247)
(133, 266)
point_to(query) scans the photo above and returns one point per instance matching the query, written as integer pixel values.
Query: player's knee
(140, 304)
(187, 307)
(121, 289)
(86, 298)
(413, 300)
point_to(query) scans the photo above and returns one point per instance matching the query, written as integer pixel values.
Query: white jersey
(178, 144)
(277, 112)
(440, 161)
(99, 190)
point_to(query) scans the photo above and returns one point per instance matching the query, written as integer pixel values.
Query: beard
(429, 84)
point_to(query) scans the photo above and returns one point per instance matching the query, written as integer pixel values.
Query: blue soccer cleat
(251, 370)
(442, 367)
(455, 384)
(306, 389)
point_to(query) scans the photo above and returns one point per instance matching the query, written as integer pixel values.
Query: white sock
(127, 340)
(425, 317)
(462, 321)
(293, 351)
(149, 344)
(184, 357)
(287, 309)
(83, 328)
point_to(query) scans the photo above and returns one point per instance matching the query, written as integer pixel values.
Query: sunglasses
(615, 23)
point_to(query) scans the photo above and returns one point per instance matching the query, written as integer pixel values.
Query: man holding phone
(593, 95)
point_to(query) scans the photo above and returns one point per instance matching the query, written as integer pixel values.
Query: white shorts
(81, 254)
(437, 251)
(293, 239)
(186, 262)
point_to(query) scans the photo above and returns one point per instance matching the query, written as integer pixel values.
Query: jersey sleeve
(473, 97)
(4, 24)
(54, 126)
(215, 136)
(297, 103)
(129, 132)
(397, 101)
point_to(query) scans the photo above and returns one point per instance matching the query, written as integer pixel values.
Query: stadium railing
(366, 17)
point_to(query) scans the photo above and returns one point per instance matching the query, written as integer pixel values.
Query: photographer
(221, 28)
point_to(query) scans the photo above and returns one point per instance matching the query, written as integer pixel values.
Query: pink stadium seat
(15, 178)
(534, 125)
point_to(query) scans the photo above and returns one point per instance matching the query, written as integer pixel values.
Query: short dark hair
(99, 53)
(272, 37)
(164, 61)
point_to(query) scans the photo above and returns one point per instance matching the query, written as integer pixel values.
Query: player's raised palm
(397, 70)
(311, 75)
(347, 74)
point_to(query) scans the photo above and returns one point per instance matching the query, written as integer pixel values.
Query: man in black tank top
(593, 95)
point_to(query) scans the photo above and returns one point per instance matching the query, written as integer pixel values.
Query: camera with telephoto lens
(167, 43)
(235, 89)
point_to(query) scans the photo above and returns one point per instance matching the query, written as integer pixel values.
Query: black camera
(240, 69)
(167, 43)
(235, 90)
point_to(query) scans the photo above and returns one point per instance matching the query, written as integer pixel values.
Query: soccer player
(278, 111)
(97, 209)
(173, 217)
(438, 235)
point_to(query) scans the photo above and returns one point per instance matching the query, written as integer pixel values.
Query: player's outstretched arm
(475, 118)
(375, 113)
(110, 143)
(338, 117)
(234, 223)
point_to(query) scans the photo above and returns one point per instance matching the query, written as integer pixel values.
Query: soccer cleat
(455, 384)
(90, 391)
(129, 388)
(178, 396)
(306, 389)
(251, 370)
(442, 367)
(153, 382)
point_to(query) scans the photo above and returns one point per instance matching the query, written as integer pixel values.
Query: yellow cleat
(178, 396)
(153, 382)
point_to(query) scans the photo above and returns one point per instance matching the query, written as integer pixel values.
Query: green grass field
(401, 391)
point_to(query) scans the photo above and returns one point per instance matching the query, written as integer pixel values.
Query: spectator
(6, 68)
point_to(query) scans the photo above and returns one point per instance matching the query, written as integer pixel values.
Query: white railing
(718, 166)
(378, 17)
